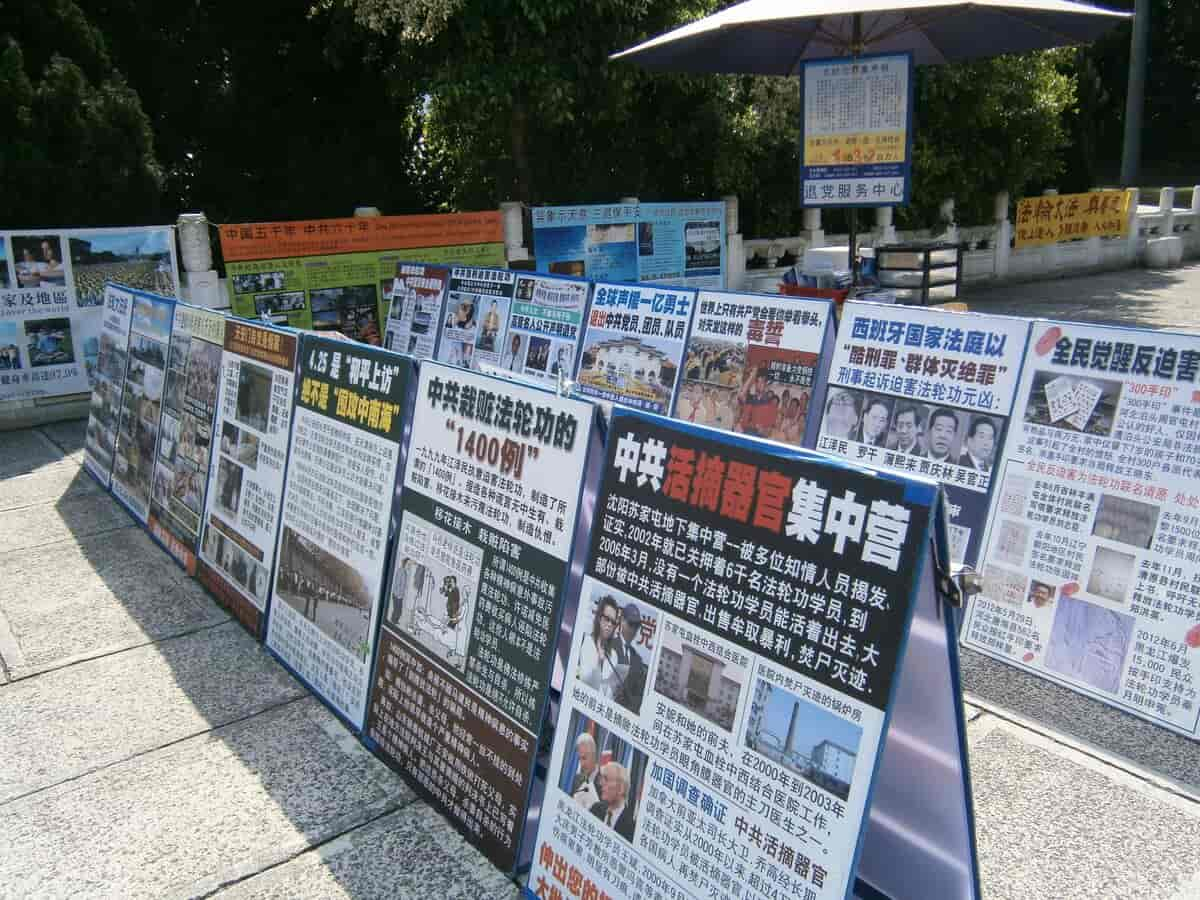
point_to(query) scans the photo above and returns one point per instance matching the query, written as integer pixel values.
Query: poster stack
(1093, 547)
(634, 344)
(756, 364)
(334, 534)
(104, 409)
(487, 523)
(185, 438)
(742, 620)
(927, 392)
(417, 299)
(664, 243)
(246, 474)
(52, 292)
(340, 274)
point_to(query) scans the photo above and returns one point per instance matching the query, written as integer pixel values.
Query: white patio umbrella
(774, 37)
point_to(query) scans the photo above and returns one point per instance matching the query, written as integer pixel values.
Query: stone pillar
(885, 231)
(813, 233)
(735, 262)
(1166, 208)
(512, 213)
(1000, 244)
(731, 214)
(198, 279)
(1133, 238)
(946, 212)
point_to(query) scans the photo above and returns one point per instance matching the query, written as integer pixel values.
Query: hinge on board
(956, 584)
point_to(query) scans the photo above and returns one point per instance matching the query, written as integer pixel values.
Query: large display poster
(141, 402)
(737, 758)
(245, 478)
(545, 326)
(857, 131)
(478, 303)
(416, 304)
(634, 344)
(487, 518)
(104, 410)
(1093, 546)
(668, 243)
(344, 454)
(52, 297)
(752, 363)
(186, 431)
(929, 392)
(339, 274)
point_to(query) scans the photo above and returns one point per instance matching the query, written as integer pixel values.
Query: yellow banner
(1067, 217)
(864, 147)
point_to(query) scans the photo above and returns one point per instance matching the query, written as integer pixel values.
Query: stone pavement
(148, 747)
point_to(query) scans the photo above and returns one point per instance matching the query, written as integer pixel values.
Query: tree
(77, 148)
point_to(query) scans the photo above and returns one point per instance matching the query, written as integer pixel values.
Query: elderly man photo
(585, 786)
(612, 808)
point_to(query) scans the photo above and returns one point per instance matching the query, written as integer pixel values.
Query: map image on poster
(751, 363)
(1091, 553)
(104, 409)
(141, 403)
(472, 612)
(740, 624)
(928, 392)
(634, 344)
(245, 481)
(416, 297)
(344, 454)
(478, 303)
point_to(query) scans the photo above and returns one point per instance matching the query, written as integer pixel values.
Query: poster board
(1092, 552)
(246, 473)
(928, 392)
(141, 402)
(666, 243)
(338, 274)
(634, 344)
(185, 437)
(334, 534)
(545, 326)
(488, 510)
(416, 306)
(478, 302)
(756, 364)
(104, 408)
(778, 588)
(1069, 217)
(856, 131)
(52, 296)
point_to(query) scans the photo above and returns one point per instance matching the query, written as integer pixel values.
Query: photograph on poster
(603, 774)
(493, 319)
(203, 368)
(242, 568)
(173, 392)
(622, 671)
(247, 450)
(10, 346)
(112, 358)
(139, 258)
(1111, 575)
(258, 281)
(278, 304)
(48, 342)
(38, 261)
(1011, 542)
(816, 744)
(702, 244)
(1041, 594)
(1088, 643)
(4, 282)
(230, 434)
(168, 439)
(253, 395)
(435, 602)
(103, 406)
(639, 367)
(194, 439)
(461, 314)
(162, 484)
(701, 682)
(1073, 403)
(229, 487)
(1004, 585)
(1127, 521)
(325, 590)
(351, 310)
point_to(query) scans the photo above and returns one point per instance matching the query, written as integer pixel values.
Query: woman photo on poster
(597, 659)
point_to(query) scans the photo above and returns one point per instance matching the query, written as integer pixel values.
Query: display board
(246, 474)
(667, 243)
(1069, 217)
(104, 409)
(478, 303)
(756, 364)
(416, 305)
(1092, 553)
(929, 392)
(339, 274)
(487, 520)
(343, 459)
(545, 326)
(778, 589)
(52, 297)
(141, 402)
(634, 345)
(185, 436)
(856, 131)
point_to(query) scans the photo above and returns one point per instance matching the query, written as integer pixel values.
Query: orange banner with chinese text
(1068, 217)
(321, 237)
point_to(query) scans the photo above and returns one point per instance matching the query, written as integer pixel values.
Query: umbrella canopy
(774, 37)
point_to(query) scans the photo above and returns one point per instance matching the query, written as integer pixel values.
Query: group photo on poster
(104, 408)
